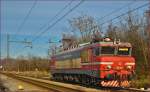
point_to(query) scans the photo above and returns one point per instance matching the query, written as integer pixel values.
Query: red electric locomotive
(105, 63)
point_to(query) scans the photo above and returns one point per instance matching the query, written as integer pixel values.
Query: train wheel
(80, 78)
(83, 79)
(88, 82)
(93, 81)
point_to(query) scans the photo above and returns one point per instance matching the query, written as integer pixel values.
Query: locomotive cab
(116, 63)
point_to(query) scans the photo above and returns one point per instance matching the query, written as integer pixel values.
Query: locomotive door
(94, 53)
(91, 59)
(86, 57)
(52, 63)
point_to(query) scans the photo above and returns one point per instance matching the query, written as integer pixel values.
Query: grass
(142, 81)
(36, 74)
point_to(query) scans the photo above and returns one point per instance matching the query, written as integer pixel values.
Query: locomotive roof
(123, 44)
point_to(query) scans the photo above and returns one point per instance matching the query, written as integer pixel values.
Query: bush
(141, 82)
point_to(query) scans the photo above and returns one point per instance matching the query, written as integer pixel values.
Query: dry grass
(141, 82)
(36, 74)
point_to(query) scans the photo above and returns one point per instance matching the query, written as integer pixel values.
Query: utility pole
(8, 47)
(148, 34)
(148, 29)
(28, 44)
(52, 46)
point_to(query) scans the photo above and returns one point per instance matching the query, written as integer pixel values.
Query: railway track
(63, 87)
(54, 86)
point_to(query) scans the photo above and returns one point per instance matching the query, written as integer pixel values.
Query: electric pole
(7, 47)
(52, 46)
(27, 43)
(148, 34)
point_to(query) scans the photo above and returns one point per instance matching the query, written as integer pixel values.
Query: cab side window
(96, 51)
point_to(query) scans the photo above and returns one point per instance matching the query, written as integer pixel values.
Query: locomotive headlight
(129, 67)
(109, 67)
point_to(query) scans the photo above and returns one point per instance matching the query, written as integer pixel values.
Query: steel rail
(51, 85)
(63, 87)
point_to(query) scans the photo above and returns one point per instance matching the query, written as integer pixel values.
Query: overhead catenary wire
(57, 14)
(144, 5)
(101, 24)
(123, 14)
(65, 15)
(116, 10)
(59, 19)
(54, 17)
(26, 17)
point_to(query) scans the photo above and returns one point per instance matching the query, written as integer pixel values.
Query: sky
(13, 13)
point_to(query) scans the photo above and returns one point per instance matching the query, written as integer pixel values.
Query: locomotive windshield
(124, 51)
(111, 50)
(107, 50)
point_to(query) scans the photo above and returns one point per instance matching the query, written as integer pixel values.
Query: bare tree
(86, 25)
(131, 29)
